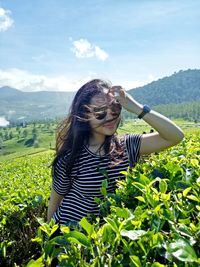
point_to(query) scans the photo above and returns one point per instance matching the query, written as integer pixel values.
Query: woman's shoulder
(62, 158)
(130, 137)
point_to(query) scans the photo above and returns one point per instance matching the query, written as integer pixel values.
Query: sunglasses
(101, 112)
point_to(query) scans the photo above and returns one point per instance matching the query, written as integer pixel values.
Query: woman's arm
(55, 200)
(168, 134)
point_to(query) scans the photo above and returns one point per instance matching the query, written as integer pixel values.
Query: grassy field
(36, 138)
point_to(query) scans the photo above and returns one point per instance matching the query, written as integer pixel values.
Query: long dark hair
(74, 131)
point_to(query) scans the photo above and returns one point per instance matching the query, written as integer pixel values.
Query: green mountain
(183, 86)
(17, 106)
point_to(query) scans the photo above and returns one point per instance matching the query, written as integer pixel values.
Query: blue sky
(61, 44)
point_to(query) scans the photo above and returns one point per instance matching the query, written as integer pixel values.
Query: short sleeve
(132, 143)
(60, 181)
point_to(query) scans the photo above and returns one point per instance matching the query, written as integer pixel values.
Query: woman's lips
(109, 125)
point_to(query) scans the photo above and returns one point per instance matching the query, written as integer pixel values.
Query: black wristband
(146, 109)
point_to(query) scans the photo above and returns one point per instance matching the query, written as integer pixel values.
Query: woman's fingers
(118, 91)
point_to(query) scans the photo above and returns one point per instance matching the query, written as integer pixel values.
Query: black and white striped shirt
(87, 175)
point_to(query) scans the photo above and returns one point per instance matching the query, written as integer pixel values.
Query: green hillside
(31, 139)
(183, 86)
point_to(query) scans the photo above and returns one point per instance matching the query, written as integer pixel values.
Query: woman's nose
(110, 114)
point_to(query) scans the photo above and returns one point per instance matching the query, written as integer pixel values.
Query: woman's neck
(95, 146)
(96, 140)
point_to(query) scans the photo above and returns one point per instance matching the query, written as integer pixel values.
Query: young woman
(88, 150)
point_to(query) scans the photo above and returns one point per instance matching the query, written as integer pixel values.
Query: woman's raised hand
(123, 97)
(119, 93)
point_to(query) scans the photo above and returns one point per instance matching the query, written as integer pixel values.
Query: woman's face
(104, 116)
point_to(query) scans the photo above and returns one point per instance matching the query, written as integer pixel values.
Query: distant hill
(7, 92)
(183, 86)
(16, 106)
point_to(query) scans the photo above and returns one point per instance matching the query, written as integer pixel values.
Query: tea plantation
(152, 220)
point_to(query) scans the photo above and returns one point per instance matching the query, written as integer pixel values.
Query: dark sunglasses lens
(116, 108)
(100, 115)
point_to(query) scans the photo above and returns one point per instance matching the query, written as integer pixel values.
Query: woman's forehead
(101, 99)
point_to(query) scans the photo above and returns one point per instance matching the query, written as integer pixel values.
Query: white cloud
(26, 81)
(3, 122)
(5, 20)
(151, 77)
(130, 84)
(100, 54)
(82, 48)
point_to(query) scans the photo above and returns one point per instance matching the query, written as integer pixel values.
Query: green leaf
(124, 173)
(133, 234)
(112, 223)
(103, 191)
(65, 229)
(155, 223)
(195, 162)
(54, 228)
(122, 212)
(4, 251)
(86, 226)
(139, 186)
(37, 239)
(157, 264)
(144, 179)
(45, 228)
(182, 251)
(136, 261)
(78, 238)
(105, 231)
(186, 191)
(192, 197)
(104, 187)
(166, 197)
(140, 198)
(198, 207)
(163, 186)
(105, 183)
(36, 263)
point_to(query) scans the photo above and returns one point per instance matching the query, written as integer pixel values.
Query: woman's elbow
(180, 136)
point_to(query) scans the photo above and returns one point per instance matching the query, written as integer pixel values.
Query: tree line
(189, 111)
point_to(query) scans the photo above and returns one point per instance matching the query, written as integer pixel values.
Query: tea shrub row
(24, 191)
(153, 219)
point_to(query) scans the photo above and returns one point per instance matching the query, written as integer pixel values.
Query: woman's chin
(110, 130)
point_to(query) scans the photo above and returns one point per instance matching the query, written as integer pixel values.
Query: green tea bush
(25, 188)
(153, 219)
